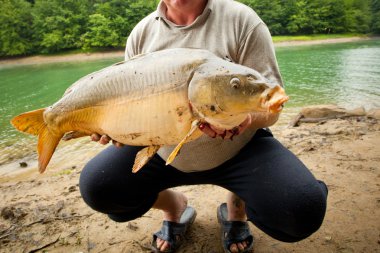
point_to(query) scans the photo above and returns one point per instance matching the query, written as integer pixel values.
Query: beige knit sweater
(230, 30)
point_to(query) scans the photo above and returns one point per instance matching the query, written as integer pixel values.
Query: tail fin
(33, 123)
(47, 143)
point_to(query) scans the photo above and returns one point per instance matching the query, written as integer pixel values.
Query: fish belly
(162, 119)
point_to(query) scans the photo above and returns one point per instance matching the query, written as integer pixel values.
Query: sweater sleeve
(130, 48)
(257, 51)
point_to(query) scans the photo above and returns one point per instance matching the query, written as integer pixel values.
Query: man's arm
(256, 51)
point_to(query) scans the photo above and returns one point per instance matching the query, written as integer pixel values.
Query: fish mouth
(273, 99)
(278, 105)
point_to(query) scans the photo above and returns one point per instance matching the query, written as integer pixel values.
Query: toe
(240, 246)
(159, 243)
(234, 248)
(162, 245)
(165, 246)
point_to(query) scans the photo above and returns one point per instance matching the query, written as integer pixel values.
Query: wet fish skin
(153, 100)
(222, 93)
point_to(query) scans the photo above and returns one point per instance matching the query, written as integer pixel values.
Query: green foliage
(46, 26)
(100, 32)
(358, 16)
(375, 10)
(59, 24)
(15, 30)
(113, 20)
(315, 16)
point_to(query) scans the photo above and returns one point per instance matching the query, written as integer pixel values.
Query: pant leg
(108, 185)
(282, 197)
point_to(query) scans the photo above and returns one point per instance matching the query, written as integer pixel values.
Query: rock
(360, 111)
(23, 164)
(72, 188)
(12, 213)
(132, 226)
(374, 113)
(322, 111)
(7, 213)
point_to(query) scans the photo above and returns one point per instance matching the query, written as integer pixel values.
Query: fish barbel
(152, 100)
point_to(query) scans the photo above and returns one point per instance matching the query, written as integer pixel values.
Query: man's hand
(206, 128)
(105, 139)
(214, 132)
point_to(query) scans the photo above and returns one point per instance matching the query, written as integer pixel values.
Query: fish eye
(235, 83)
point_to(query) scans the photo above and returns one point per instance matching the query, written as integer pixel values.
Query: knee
(93, 189)
(294, 216)
(113, 194)
(308, 212)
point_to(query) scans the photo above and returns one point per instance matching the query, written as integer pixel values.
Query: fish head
(223, 93)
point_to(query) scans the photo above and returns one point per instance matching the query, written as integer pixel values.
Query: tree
(113, 20)
(299, 21)
(375, 9)
(100, 33)
(15, 28)
(59, 24)
(358, 16)
(271, 12)
(314, 16)
(44, 26)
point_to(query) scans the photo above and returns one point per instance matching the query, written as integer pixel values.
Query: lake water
(346, 74)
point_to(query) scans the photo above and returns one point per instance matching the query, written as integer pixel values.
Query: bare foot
(173, 204)
(236, 212)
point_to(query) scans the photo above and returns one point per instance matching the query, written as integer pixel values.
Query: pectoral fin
(143, 156)
(73, 135)
(174, 153)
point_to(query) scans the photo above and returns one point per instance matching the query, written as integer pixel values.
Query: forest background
(50, 26)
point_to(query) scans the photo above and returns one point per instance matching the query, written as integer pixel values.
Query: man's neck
(185, 14)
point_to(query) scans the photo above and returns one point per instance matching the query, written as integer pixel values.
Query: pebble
(23, 164)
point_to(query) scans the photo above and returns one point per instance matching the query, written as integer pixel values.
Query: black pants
(282, 197)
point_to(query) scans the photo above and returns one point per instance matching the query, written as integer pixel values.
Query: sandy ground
(316, 42)
(120, 54)
(45, 213)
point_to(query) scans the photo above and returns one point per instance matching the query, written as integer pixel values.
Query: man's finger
(218, 130)
(229, 135)
(207, 130)
(246, 123)
(117, 144)
(104, 139)
(95, 137)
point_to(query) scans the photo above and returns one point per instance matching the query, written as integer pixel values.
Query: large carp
(152, 100)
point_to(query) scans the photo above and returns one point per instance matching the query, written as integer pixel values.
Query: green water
(25, 88)
(346, 74)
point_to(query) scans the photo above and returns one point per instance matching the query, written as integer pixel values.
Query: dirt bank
(317, 42)
(120, 54)
(47, 213)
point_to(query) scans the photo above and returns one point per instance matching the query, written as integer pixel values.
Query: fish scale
(153, 100)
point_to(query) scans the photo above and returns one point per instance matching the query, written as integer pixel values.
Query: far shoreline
(42, 59)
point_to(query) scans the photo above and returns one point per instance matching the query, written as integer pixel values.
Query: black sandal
(174, 233)
(234, 231)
